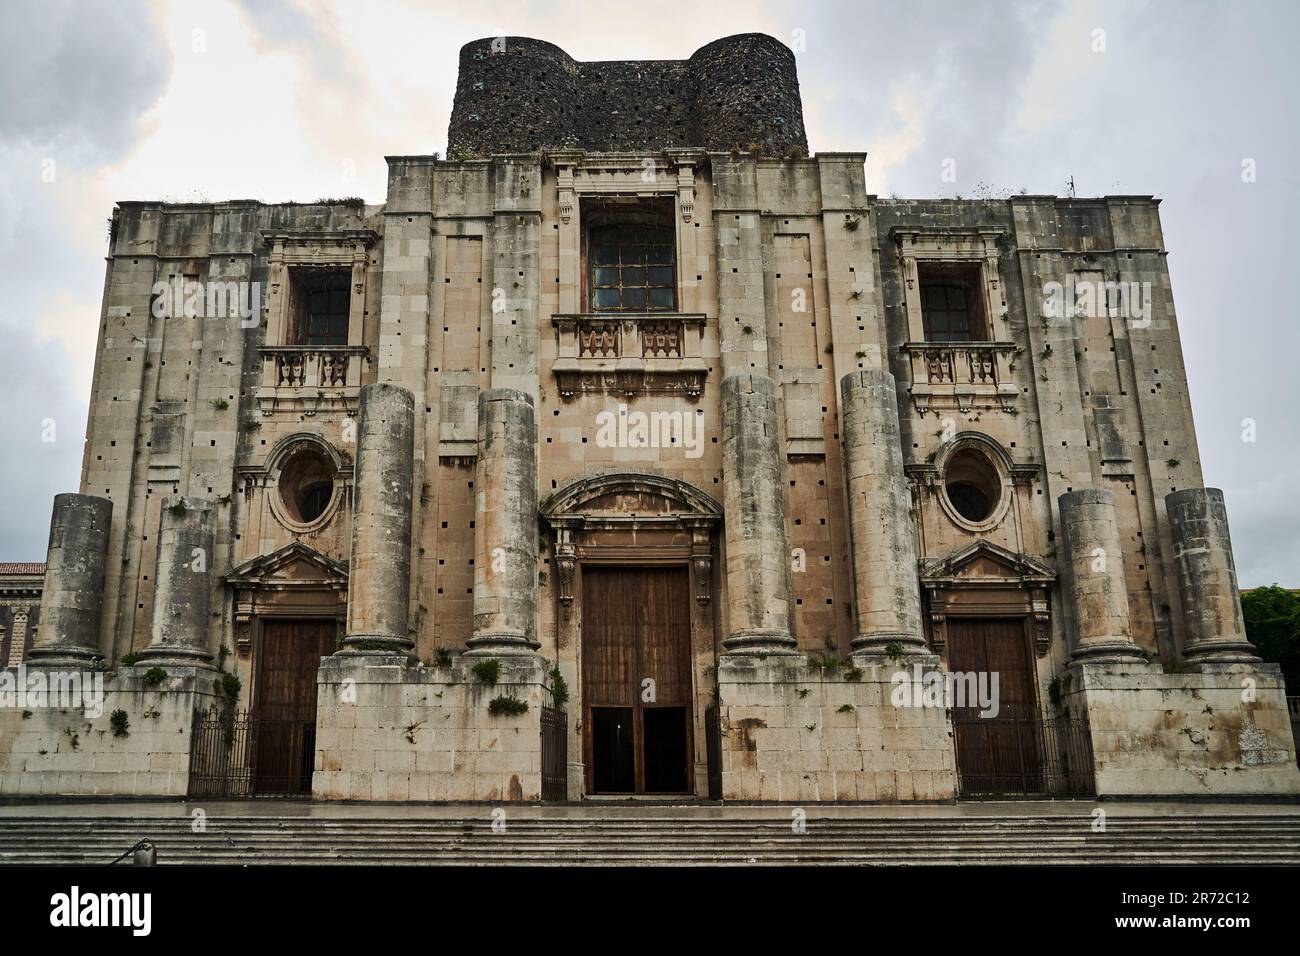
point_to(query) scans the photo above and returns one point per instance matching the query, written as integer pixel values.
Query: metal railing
(1018, 755)
(235, 754)
(555, 754)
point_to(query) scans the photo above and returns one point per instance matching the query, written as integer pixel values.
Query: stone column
(73, 595)
(1095, 584)
(886, 589)
(1207, 577)
(758, 552)
(379, 572)
(182, 588)
(505, 525)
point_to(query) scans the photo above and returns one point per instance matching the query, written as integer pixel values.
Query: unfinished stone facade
(643, 453)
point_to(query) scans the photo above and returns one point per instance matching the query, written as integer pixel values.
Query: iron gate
(713, 751)
(235, 754)
(1023, 756)
(555, 754)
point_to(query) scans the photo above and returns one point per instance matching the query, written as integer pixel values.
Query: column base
(176, 657)
(376, 645)
(500, 644)
(761, 641)
(1105, 651)
(888, 646)
(67, 655)
(1221, 652)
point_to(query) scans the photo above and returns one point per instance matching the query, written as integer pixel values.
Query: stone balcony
(630, 352)
(961, 375)
(311, 378)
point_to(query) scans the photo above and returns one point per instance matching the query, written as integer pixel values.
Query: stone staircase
(660, 836)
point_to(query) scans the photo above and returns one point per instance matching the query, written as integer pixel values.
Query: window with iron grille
(631, 257)
(321, 303)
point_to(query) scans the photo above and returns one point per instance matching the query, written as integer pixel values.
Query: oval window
(973, 485)
(306, 486)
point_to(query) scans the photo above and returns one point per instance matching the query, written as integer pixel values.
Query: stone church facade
(632, 450)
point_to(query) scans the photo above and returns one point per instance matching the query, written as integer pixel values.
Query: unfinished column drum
(182, 593)
(758, 553)
(73, 595)
(1095, 585)
(505, 535)
(379, 573)
(1207, 578)
(886, 592)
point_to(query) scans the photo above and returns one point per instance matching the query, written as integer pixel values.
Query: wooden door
(636, 679)
(998, 754)
(283, 723)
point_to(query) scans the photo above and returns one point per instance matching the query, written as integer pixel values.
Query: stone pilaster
(886, 592)
(1207, 578)
(182, 591)
(73, 594)
(379, 572)
(505, 523)
(758, 553)
(1095, 584)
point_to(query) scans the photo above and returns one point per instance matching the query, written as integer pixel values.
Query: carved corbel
(1042, 623)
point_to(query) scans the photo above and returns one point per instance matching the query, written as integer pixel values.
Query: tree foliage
(1273, 626)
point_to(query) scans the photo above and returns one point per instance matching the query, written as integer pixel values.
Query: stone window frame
(959, 375)
(997, 456)
(633, 361)
(305, 378)
(267, 477)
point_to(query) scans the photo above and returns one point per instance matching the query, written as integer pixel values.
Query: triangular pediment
(984, 561)
(295, 563)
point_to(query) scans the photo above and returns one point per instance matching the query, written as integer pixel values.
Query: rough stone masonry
(382, 509)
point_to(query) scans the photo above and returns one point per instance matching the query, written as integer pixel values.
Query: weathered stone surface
(1198, 525)
(758, 566)
(887, 600)
(1096, 576)
(379, 573)
(73, 594)
(505, 568)
(519, 95)
(182, 596)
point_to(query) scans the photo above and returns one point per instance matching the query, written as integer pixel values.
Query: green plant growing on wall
(153, 677)
(844, 709)
(120, 723)
(510, 706)
(74, 739)
(853, 674)
(128, 660)
(441, 657)
(802, 692)
(1054, 691)
(559, 688)
(228, 686)
(410, 731)
(487, 671)
(220, 404)
(827, 664)
(894, 651)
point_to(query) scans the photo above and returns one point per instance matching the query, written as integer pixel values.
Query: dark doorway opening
(665, 749)
(614, 749)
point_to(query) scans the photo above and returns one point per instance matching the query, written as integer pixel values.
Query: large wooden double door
(636, 680)
(283, 722)
(1001, 753)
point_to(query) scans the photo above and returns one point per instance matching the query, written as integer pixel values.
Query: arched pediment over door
(631, 518)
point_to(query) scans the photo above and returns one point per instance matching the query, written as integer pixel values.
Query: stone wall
(68, 751)
(795, 732)
(394, 731)
(1222, 731)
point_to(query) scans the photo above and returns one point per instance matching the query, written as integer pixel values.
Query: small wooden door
(999, 754)
(283, 722)
(636, 679)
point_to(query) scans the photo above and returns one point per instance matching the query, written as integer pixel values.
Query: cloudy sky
(279, 100)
